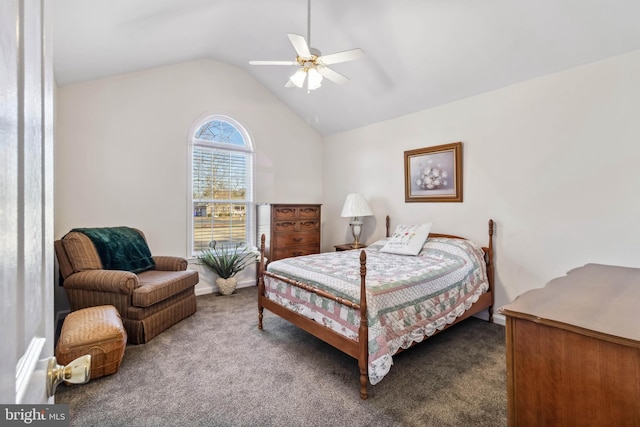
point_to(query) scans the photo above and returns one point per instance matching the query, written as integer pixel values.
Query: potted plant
(226, 261)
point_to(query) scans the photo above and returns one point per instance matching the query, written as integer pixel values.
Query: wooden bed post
(363, 331)
(261, 281)
(387, 222)
(490, 276)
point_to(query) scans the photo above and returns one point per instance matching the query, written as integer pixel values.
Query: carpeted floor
(217, 369)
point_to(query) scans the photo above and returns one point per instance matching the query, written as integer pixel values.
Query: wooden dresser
(290, 229)
(573, 350)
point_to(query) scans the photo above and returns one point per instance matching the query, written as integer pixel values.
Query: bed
(371, 304)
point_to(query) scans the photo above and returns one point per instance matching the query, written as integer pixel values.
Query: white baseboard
(499, 319)
(204, 289)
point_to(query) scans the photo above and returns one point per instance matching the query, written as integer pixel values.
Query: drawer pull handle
(297, 239)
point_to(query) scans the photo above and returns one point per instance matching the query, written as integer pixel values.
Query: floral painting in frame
(433, 174)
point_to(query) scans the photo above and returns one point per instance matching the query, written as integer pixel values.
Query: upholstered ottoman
(97, 331)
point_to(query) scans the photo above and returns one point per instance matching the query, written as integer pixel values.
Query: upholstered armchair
(151, 293)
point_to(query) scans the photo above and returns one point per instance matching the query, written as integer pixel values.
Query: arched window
(221, 184)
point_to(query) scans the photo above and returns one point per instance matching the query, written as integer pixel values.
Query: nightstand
(347, 247)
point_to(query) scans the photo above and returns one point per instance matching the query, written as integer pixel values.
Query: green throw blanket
(120, 248)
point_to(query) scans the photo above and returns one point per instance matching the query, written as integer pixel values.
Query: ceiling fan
(313, 65)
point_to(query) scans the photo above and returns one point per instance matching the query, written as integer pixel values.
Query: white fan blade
(289, 83)
(273, 63)
(332, 75)
(347, 55)
(300, 45)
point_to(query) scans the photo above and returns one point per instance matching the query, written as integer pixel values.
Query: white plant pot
(226, 286)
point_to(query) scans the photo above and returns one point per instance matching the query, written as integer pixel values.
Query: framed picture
(433, 174)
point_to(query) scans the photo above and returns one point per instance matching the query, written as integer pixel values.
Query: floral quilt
(408, 297)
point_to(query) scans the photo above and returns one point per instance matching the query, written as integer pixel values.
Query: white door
(26, 200)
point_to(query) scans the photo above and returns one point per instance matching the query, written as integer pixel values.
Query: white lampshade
(355, 205)
(315, 79)
(298, 78)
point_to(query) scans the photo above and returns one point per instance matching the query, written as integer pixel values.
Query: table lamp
(356, 206)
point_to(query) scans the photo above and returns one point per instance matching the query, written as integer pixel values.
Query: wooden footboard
(358, 350)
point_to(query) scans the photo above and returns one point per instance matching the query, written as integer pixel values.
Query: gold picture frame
(433, 174)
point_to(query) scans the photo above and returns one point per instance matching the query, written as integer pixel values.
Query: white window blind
(222, 185)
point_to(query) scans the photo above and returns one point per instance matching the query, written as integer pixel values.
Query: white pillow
(407, 239)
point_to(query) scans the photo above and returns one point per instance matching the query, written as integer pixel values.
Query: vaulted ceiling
(418, 53)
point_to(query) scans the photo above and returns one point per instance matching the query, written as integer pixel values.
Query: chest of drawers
(290, 229)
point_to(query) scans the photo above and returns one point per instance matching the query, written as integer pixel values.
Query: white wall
(551, 160)
(121, 149)
(554, 161)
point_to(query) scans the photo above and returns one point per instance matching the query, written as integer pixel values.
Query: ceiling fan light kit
(298, 78)
(313, 65)
(314, 80)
